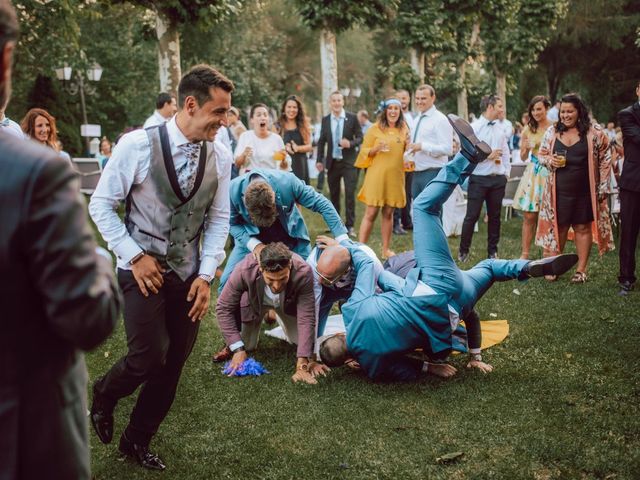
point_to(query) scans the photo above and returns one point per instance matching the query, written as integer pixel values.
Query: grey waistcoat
(159, 218)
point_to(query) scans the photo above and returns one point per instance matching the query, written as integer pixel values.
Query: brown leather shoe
(223, 355)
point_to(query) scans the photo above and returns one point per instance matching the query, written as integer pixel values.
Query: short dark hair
(260, 202)
(275, 257)
(489, 100)
(424, 86)
(256, 106)
(8, 23)
(333, 351)
(197, 82)
(163, 98)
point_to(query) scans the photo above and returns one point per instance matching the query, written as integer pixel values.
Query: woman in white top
(259, 147)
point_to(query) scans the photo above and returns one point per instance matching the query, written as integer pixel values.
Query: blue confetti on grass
(250, 367)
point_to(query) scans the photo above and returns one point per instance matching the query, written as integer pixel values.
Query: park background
(272, 48)
(563, 401)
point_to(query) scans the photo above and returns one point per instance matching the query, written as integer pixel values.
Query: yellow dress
(384, 181)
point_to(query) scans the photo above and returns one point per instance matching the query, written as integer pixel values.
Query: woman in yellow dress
(382, 155)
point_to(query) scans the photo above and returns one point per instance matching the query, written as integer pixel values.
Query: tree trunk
(329, 66)
(501, 89)
(168, 54)
(463, 108)
(417, 62)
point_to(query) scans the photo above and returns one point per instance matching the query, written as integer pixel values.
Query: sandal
(579, 277)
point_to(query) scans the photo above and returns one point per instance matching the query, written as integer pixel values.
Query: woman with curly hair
(296, 134)
(527, 197)
(40, 125)
(576, 153)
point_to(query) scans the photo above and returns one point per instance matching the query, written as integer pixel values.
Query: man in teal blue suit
(263, 210)
(424, 310)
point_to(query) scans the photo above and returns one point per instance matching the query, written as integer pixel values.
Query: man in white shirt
(174, 181)
(488, 181)
(166, 108)
(9, 126)
(402, 216)
(506, 125)
(431, 140)
(554, 112)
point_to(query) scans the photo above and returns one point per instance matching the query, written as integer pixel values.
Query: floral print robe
(599, 172)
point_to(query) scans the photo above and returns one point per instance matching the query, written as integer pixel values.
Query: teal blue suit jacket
(289, 190)
(382, 328)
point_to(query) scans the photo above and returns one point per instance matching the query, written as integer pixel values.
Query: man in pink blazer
(282, 281)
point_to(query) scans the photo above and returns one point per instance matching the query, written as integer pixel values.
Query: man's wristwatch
(206, 278)
(476, 356)
(137, 258)
(239, 349)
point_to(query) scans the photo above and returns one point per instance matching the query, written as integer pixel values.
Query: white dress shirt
(507, 127)
(12, 128)
(129, 165)
(434, 133)
(409, 118)
(494, 135)
(334, 123)
(155, 119)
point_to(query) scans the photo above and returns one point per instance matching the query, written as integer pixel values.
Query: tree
(334, 16)
(170, 15)
(514, 33)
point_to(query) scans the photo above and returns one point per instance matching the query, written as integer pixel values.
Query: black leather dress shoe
(463, 257)
(552, 265)
(140, 453)
(101, 417)
(351, 232)
(398, 230)
(471, 146)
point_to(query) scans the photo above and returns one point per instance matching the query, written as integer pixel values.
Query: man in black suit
(341, 134)
(629, 184)
(58, 296)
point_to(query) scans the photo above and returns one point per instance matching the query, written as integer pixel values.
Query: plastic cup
(561, 156)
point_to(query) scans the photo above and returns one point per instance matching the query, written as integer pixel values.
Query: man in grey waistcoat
(174, 180)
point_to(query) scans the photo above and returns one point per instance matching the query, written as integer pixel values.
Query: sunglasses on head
(275, 264)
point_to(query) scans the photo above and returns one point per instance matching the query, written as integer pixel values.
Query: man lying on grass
(424, 310)
(283, 282)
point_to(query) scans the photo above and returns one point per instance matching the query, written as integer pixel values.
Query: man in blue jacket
(424, 310)
(263, 210)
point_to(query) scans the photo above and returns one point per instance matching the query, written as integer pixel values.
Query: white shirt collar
(342, 114)
(175, 134)
(429, 112)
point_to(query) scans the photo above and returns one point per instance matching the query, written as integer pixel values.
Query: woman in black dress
(296, 134)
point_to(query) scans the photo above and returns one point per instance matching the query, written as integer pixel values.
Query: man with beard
(174, 181)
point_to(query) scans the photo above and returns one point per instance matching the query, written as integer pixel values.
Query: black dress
(299, 163)
(573, 191)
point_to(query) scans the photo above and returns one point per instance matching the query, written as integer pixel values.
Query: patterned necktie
(187, 173)
(415, 133)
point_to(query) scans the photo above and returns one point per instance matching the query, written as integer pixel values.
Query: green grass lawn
(563, 401)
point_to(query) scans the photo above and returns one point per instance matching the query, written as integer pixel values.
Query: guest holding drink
(577, 154)
(296, 133)
(527, 197)
(382, 155)
(259, 147)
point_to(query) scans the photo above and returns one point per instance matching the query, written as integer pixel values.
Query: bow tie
(491, 123)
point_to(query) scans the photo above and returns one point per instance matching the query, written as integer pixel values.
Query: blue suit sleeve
(306, 196)
(388, 281)
(365, 275)
(238, 225)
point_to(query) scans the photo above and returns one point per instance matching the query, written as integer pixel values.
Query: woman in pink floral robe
(572, 127)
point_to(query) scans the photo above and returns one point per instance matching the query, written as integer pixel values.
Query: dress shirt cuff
(236, 345)
(253, 243)
(426, 148)
(208, 267)
(342, 237)
(127, 249)
(474, 351)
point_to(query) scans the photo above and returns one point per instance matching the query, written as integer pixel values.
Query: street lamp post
(351, 92)
(77, 86)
